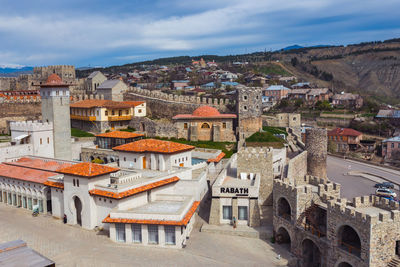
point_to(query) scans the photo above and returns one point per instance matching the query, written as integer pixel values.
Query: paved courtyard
(73, 246)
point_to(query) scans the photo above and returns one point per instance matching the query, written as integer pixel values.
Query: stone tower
(249, 111)
(317, 150)
(55, 109)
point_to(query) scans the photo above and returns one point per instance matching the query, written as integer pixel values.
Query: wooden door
(144, 162)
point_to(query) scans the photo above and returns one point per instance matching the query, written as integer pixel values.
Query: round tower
(317, 150)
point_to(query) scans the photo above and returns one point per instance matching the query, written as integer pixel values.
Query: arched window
(349, 240)
(205, 126)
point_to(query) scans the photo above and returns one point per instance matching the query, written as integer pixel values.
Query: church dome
(206, 111)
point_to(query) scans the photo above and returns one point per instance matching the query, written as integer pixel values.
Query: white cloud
(43, 39)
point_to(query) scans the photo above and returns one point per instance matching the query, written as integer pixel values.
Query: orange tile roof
(133, 103)
(54, 184)
(120, 134)
(344, 132)
(134, 191)
(54, 81)
(87, 169)
(205, 112)
(218, 158)
(25, 174)
(39, 164)
(97, 103)
(182, 222)
(155, 146)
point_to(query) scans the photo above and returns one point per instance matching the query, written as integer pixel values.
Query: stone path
(74, 246)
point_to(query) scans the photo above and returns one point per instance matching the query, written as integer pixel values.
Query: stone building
(243, 189)
(391, 148)
(112, 90)
(93, 81)
(284, 120)
(345, 139)
(249, 111)
(55, 109)
(206, 124)
(317, 151)
(65, 72)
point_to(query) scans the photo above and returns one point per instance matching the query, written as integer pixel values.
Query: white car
(384, 192)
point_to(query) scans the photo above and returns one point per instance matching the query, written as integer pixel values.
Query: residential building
(206, 124)
(276, 92)
(116, 138)
(345, 139)
(391, 148)
(347, 100)
(179, 84)
(100, 115)
(112, 90)
(310, 96)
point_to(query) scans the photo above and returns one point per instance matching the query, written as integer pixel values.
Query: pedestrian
(65, 218)
(234, 222)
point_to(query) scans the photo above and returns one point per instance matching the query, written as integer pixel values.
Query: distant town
(171, 156)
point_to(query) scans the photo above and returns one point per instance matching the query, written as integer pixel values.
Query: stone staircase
(394, 262)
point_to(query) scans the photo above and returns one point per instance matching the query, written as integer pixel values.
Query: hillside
(371, 69)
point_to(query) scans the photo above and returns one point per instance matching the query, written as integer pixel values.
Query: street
(353, 186)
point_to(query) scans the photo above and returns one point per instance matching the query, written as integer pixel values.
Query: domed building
(206, 124)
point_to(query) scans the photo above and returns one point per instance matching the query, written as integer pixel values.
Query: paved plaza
(74, 246)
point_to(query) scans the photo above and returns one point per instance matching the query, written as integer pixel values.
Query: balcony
(83, 118)
(120, 118)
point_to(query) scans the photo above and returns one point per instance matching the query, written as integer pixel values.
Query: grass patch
(338, 112)
(272, 69)
(129, 129)
(79, 133)
(265, 139)
(227, 147)
(275, 130)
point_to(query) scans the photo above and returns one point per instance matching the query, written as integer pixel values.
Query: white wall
(154, 161)
(15, 151)
(57, 202)
(141, 107)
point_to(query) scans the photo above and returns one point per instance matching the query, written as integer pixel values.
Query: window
(77, 182)
(41, 141)
(139, 111)
(245, 107)
(127, 112)
(113, 112)
(120, 113)
(205, 126)
(136, 233)
(153, 234)
(185, 125)
(392, 145)
(227, 212)
(124, 158)
(398, 145)
(245, 97)
(98, 114)
(120, 231)
(48, 140)
(242, 210)
(106, 112)
(224, 125)
(57, 93)
(169, 234)
(73, 182)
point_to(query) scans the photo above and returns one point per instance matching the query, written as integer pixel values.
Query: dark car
(385, 185)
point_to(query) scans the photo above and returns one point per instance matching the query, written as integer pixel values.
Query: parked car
(385, 192)
(385, 185)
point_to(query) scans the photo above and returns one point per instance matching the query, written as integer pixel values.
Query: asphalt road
(353, 186)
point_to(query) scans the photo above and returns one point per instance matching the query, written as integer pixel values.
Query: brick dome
(206, 111)
(54, 79)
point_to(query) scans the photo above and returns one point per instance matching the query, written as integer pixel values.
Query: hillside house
(345, 139)
(347, 100)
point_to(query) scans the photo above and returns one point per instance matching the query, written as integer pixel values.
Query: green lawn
(275, 130)
(227, 147)
(265, 139)
(272, 69)
(79, 133)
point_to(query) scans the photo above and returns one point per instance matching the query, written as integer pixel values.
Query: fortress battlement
(31, 126)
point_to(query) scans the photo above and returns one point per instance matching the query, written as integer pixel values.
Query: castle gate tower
(55, 109)
(317, 151)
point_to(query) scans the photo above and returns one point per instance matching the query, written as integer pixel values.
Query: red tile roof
(134, 191)
(54, 81)
(182, 222)
(120, 134)
(205, 112)
(39, 164)
(155, 146)
(97, 103)
(133, 103)
(25, 174)
(218, 158)
(54, 184)
(344, 132)
(87, 169)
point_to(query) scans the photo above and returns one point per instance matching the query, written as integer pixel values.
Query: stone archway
(349, 240)
(284, 209)
(344, 264)
(311, 255)
(78, 210)
(283, 237)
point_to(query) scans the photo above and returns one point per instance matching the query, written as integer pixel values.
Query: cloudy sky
(104, 32)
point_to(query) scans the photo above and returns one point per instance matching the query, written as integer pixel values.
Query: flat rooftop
(160, 207)
(236, 182)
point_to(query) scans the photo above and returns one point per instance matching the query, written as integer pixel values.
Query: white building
(150, 200)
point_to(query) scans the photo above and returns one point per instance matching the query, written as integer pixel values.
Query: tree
(294, 61)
